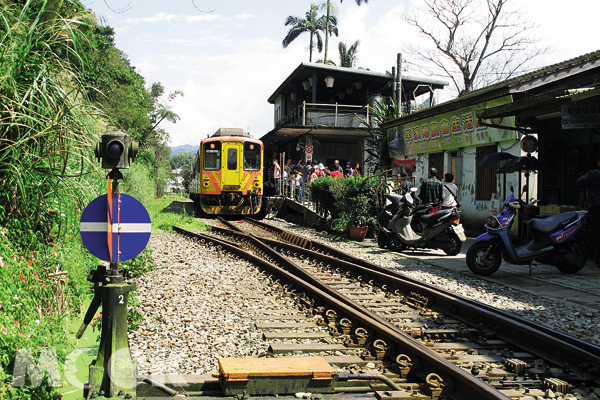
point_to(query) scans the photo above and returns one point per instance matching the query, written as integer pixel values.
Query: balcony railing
(314, 114)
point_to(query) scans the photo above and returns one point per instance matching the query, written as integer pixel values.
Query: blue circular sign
(115, 231)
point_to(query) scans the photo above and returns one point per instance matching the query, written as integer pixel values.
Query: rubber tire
(473, 254)
(381, 238)
(394, 244)
(570, 268)
(454, 245)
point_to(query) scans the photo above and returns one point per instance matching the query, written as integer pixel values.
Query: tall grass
(46, 177)
(45, 124)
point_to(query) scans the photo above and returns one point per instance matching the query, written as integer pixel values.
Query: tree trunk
(326, 32)
(52, 9)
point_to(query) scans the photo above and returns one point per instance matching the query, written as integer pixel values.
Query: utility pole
(399, 85)
(394, 86)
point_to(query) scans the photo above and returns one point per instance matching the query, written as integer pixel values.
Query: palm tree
(330, 8)
(312, 24)
(348, 56)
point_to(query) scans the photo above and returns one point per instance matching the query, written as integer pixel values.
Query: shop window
(485, 178)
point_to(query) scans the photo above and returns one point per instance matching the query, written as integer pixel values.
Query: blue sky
(230, 60)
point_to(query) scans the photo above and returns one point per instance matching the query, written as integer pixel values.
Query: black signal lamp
(116, 150)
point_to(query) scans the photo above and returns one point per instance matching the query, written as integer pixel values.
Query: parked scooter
(441, 230)
(556, 241)
(418, 211)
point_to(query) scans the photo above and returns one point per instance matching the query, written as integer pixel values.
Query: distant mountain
(184, 147)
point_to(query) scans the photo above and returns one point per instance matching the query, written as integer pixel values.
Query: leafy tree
(311, 24)
(331, 10)
(182, 160)
(348, 55)
(377, 145)
(472, 45)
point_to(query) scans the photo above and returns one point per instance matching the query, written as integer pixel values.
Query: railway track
(432, 343)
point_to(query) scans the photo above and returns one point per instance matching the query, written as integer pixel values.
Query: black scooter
(441, 230)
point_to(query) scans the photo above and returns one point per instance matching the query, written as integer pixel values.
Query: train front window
(252, 159)
(212, 156)
(232, 159)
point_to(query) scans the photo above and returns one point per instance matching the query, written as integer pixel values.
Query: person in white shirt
(450, 192)
(277, 175)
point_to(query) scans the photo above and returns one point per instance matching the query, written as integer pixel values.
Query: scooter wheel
(453, 246)
(574, 261)
(381, 239)
(484, 258)
(395, 244)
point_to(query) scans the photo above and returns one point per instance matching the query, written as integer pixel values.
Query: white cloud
(230, 90)
(201, 18)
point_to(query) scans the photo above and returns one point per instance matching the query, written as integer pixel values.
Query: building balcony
(326, 115)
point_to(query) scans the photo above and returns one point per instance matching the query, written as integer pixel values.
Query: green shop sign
(449, 131)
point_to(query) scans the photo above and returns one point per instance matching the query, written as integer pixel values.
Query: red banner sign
(408, 164)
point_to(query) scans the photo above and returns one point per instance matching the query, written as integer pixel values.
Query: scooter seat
(552, 223)
(394, 198)
(423, 207)
(425, 218)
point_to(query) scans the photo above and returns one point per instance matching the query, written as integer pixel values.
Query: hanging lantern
(329, 81)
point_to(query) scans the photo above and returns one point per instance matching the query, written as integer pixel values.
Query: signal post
(115, 227)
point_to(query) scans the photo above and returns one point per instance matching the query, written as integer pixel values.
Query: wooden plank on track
(282, 348)
(285, 325)
(295, 335)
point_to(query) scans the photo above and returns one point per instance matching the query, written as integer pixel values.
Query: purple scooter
(556, 241)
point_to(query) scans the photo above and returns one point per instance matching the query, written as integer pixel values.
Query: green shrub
(345, 201)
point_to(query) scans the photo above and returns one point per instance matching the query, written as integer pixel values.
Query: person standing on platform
(431, 190)
(337, 167)
(349, 170)
(277, 175)
(591, 181)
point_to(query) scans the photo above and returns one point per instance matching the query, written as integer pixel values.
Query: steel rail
(491, 314)
(425, 362)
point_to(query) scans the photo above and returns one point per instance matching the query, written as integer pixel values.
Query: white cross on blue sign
(124, 234)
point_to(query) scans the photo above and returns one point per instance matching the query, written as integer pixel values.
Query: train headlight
(205, 184)
(256, 184)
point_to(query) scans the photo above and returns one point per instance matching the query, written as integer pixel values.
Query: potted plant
(359, 216)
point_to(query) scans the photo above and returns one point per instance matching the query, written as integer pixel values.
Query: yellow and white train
(228, 174)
